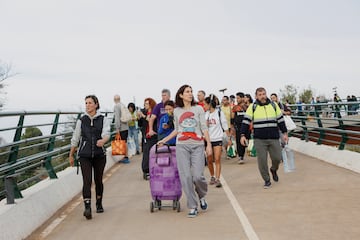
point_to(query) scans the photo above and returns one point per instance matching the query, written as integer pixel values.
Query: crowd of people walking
(200, 129)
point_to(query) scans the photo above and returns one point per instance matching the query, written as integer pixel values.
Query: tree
(289, 93)
(306, 95)
(5, 73)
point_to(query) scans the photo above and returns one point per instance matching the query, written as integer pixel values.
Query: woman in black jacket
(92, 131)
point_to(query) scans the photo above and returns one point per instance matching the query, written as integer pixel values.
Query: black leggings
(87, 164)
(148, 143)
(239, 148)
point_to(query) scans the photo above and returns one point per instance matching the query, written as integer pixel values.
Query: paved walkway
(317, 201)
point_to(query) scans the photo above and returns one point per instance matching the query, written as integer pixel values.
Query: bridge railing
(38, 142)
(38, 147)
(328, 123)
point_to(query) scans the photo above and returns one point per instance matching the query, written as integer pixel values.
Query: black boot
(87, 211)
(99, 207)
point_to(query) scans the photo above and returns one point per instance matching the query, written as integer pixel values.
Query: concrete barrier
(342, 158)
(40, 202)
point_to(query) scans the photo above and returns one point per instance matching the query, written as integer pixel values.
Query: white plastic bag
(288, 159)
(290, 125)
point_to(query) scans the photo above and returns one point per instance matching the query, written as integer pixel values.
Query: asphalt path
(316, 201)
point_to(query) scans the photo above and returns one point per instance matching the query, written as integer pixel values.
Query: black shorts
(216, 143)
(124, 135)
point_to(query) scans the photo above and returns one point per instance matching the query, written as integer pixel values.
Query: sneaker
(267, 184)
(193, 213)
(125, 160)
(203, 203)
(137, 153)
(241, 160)
(212, 181)
(146, 176)
(218, 183)
(274, 175)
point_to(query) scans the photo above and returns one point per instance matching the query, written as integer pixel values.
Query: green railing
(328, 123)
(38, 147)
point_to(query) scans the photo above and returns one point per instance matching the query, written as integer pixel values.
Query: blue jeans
(134, 133)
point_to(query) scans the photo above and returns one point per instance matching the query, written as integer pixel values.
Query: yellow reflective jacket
(267, 119)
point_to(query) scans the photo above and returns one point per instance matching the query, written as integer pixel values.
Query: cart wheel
(178, 206)
(158, 204)
(151, 206)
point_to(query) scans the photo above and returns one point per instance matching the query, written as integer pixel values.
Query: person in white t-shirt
(217, 125)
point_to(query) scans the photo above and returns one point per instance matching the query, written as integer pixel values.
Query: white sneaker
(241, 161)
(193, 213)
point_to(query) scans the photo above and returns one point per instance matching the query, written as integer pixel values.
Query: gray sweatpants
(263, 147)
(191, 164)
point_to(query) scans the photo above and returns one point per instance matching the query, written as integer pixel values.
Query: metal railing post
(50, 169)
(10, 189)
(14, 151)
(320, 125)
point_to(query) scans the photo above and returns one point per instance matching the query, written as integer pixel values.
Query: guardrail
(39, 142)
(328, 123)
(39, 147)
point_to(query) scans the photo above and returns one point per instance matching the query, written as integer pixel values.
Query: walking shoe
(146, 176)
(99, 207)
(218, 183)
(267, 184)
(87, 211)
(203, 203)
(241, 160)
(274, 174)
(212, 180)
(137, 153)
(125, 160)
(193, 213)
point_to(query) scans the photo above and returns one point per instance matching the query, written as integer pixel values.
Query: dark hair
(226, 97)
(169, 103)
(131, 105)
(95, 99)
(212, 100)
(178, 100)
(274, 94)
(260, 89)
(202, 91)
(240, 94)
(249, 97)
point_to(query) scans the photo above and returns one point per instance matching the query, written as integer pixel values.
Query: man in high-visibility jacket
(267, 120)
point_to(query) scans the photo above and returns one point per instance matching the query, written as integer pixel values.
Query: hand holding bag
(118, 146)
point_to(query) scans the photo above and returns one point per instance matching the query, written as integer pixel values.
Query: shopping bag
(288, 159)
(251, 147)
(118, 146)
(290, 125)
(231, 151)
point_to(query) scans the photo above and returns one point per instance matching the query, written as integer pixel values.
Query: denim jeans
(134, 133)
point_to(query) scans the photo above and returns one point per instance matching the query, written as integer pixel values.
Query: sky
(63, 50)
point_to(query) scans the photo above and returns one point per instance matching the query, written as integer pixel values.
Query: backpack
(125, 113)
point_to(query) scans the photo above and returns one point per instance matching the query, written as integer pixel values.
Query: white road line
(249, 230)
(69, 209)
